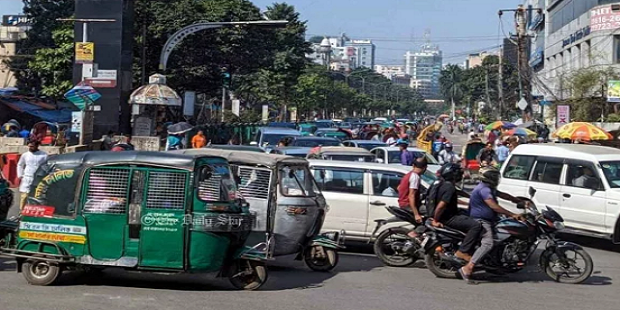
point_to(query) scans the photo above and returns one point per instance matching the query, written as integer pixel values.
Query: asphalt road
(359, 282)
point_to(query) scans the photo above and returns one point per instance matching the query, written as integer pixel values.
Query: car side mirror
(532, 191)
(253, 143)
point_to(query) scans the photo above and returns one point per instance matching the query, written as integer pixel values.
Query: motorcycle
(515, 242)
(392, 246)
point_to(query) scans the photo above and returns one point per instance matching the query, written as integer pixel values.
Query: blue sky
(457, 26)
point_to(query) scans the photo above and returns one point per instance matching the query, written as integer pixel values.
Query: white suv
(580, 182)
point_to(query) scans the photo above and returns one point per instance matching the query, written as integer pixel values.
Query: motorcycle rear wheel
(563, 277)
(440, 268)
(398, 260)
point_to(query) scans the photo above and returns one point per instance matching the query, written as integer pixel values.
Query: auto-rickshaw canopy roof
(131, 157)
(252, 158)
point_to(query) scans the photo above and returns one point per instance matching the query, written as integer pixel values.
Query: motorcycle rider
(447, 155)
(483, 207)
(446, 211)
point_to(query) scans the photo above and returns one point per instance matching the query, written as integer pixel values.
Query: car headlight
(558, 225)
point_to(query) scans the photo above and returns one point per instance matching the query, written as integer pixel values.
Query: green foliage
(470, 86)
(587, 87)
(51, 63)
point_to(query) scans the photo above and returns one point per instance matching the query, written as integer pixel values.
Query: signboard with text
(84, 52)
(563, 115)
(613, 91)
(16, 20)
(604, 18)
(103, 79)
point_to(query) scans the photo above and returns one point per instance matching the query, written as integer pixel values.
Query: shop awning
(44, 112)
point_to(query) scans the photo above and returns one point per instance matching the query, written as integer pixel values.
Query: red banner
(38, 211)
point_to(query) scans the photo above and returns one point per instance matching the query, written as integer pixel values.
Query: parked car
(391, 155)
(295, 151)
(324, 123)
(341, 153)
(358, 192)
(270, 136)
(365, 144)
(580, 182)
(314, 141)
(345, 125)
(306, 129)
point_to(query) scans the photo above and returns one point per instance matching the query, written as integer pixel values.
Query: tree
(586, 89)
(450, 82)
(40, 36)
(51, 63)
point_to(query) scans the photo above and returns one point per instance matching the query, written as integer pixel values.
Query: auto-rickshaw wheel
(320, 258)
(38, 272)
(248, 275)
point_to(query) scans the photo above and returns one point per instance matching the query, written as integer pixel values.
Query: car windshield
(429, 177)
(305, 129)
(315, 142)
(273, 139)
(362, 158)
(394, 157)
(297, 181)
(611, 170)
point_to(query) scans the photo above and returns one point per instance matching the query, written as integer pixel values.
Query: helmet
(402, 142)
(448, 145)
(490, 175)
(451, 172)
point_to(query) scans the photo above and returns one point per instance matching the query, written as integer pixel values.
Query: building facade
(13, 29)
(578, 34)
(424, 67)
(345, 54)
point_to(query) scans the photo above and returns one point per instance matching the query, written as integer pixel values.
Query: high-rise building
(424, 67)
(346, 54)
(365, 53)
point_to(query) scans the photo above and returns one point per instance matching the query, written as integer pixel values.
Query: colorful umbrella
(523, 132)
(499, 124)
(82, 95)
(581, 131)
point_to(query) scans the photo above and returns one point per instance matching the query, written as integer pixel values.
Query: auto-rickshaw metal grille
(166, 190)
(107, 191)
(254, 182)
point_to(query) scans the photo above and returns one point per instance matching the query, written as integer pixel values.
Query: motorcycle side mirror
(532, 191)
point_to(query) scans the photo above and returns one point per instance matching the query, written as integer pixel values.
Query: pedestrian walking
(27, 166)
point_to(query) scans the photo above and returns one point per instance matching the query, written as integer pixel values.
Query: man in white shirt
(27, 166)
(447, 155)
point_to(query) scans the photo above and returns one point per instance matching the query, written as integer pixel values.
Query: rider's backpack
(432, 197)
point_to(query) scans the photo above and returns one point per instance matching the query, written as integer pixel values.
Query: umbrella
(443, 116)
(523, 132)
(82, 95)
(499, 124)
(583, 131)
(179, 128)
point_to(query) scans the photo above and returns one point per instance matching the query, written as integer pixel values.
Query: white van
(581, 182)
(358, 192)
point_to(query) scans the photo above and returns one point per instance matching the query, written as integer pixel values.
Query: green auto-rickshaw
(146, 211)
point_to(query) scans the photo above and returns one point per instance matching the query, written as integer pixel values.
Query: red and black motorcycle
(515, 242)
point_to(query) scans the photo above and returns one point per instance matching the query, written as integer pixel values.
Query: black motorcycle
(514, 244)
(393, 247)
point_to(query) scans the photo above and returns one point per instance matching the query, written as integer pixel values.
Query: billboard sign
(604, 18)
(613, 91)
(16, 20)
(563, 115)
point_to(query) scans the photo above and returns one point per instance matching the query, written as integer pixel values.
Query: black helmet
(490, 175)
(451, 172)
